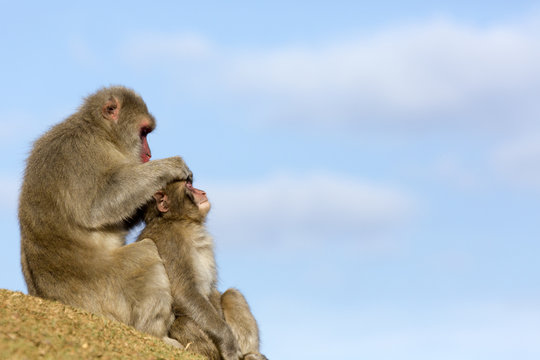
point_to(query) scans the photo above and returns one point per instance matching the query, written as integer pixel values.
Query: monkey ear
(162, 201)
(111, 109)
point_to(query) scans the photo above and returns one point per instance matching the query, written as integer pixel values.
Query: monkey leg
(145, 287)
(187, 332)
(242, 323)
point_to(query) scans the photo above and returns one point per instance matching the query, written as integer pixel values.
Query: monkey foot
(173, 342)
(254, 356)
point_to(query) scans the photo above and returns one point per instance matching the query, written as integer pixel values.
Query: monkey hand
(183, 172)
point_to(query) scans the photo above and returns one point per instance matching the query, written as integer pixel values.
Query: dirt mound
(33, 328)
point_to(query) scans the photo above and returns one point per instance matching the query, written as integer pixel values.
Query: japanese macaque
(219, 326)
(85, 180)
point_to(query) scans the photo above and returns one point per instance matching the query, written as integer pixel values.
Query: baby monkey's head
(179, 200)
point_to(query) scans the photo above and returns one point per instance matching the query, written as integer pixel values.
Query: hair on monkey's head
(127, 100)
(178, 201)
(121, 116)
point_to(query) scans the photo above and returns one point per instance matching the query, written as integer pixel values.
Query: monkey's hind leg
(147, 287)
(242, 323)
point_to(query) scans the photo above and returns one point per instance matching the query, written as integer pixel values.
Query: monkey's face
(139, 126)
(144, 129)
(128, 115)
(198, 197)
(180, 200)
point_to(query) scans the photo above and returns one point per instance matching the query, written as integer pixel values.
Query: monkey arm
(129, 187)
(205, 315)
(188, 300)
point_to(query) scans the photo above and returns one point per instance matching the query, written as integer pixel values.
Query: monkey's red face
(145, 148)
(200, 198)
(112, 111)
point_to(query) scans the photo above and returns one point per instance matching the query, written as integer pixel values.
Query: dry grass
(33, 328)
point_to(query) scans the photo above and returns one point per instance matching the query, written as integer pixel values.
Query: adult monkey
(85, 180)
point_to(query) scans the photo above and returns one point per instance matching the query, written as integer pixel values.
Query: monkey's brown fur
(217, 326)
(84, 180)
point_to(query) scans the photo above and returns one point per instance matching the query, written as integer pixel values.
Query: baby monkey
(218, 326)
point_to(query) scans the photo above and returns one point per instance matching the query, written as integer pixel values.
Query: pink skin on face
(200, 197)
(145, 150)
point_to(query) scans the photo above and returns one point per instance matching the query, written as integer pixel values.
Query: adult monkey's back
(84, 180)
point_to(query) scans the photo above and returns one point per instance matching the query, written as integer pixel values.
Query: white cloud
(439, 74)
(304, 209)
(519, 161)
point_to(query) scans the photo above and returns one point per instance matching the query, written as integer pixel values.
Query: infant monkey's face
(181, 200)
(199, 198)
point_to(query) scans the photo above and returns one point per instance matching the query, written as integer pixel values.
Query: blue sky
(373, 166)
